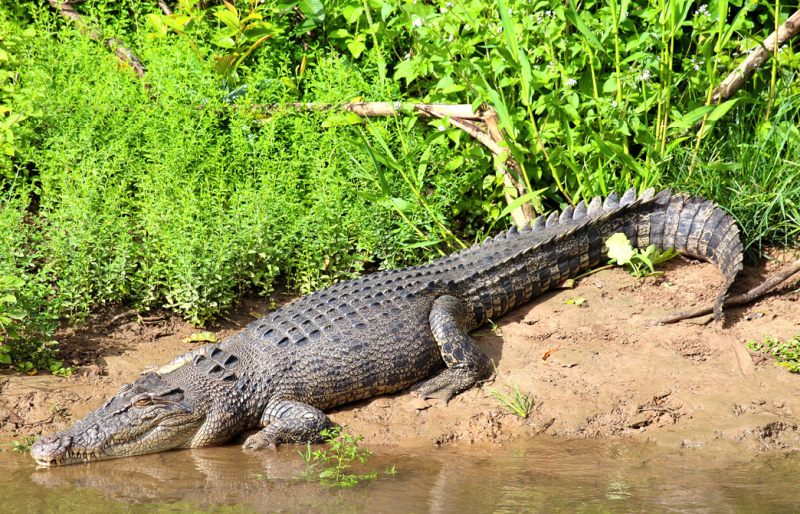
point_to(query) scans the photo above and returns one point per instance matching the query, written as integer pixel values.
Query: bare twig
(756, 58)
(768, 286)
(116, 45)
(481, 125)
(503, 162)
(463, 111)
(164, 7)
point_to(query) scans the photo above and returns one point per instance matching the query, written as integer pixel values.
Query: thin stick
(757, 292)
(503, 163)
(116, 45)
(756, 58)
(164, 7)
(463, 111)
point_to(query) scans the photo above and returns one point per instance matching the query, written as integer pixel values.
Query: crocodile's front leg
(288, 421)
(467, 365)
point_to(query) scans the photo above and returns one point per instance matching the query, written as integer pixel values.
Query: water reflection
(544, 476)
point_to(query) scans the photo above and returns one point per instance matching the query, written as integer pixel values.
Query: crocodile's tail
(690, 225)
(514, 266)
(695, 227)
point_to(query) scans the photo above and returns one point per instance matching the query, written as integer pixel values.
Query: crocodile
(381, 333)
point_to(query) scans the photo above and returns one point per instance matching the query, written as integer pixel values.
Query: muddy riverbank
(593, 368)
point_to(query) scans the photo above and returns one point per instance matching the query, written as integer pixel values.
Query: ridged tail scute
(514, 266)
(695, 227)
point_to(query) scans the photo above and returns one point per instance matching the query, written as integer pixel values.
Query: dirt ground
(594, 370)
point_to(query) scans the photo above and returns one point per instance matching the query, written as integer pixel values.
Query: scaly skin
(379, 334)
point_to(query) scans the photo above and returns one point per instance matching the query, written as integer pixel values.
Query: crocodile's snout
(51, 450)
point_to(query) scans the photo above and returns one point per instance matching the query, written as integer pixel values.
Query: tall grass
(751, 166)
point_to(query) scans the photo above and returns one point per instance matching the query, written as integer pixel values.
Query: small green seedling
(639, 263)
(202, 337)
(330, 465)
(787, 353)
(23, 446)
(517, 403)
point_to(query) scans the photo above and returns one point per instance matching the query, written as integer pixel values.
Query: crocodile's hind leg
(467, 365)
(288, 421)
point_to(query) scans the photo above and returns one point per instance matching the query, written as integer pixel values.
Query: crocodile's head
(147, 416)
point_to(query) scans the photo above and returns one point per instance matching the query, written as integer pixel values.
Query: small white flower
(510, 11)
(417, 22)
(450, 39)
(499, 30)
(614, 104)
(407, 56)
(441, 128)
(449, 5)
(645, 76)
(551, 65)
(702, 11)
(571, 82)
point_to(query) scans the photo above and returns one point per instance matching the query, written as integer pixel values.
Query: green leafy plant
(22, 339)
(331, 465)
(237, 34)
(516, 402)
(15, 101)
(640, 263)
(786, 353)
(23, 446)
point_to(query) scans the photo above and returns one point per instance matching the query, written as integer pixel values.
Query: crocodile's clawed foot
(446, 384)
(259, 441)
(443, 395)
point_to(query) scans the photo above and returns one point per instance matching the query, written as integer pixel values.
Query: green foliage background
(183, 189)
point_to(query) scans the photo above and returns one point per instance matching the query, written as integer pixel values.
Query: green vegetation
(23, 446)
(196, 183)
(517, 402)
(640, 263)
(786, 353)
(14, 100)
(330, 465)
(751, 168)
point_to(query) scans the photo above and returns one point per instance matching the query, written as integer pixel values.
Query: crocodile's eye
(143, 402)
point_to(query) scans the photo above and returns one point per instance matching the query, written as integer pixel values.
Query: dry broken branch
(756, 58)
(116, 45)
(769, 285)
(463, 111)
(481, 125)
(164, 7)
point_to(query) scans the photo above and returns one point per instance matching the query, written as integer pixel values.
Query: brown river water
(543, 475)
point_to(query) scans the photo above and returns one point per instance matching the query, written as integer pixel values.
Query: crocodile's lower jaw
(69, 458)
